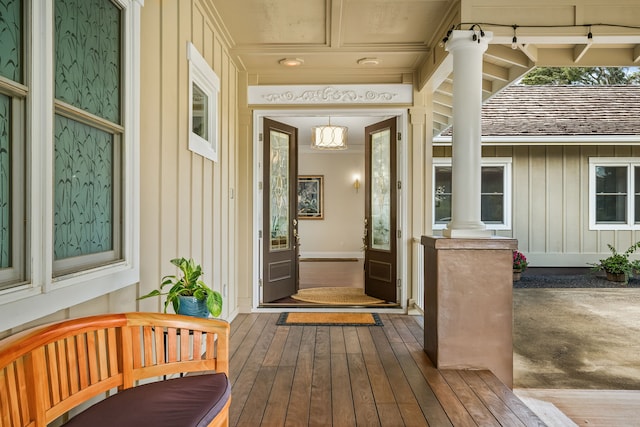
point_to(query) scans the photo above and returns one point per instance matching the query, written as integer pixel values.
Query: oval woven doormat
(336, 296)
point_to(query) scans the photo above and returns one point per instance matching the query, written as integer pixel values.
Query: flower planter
(616, 277)
(191, 306)
(517, 273)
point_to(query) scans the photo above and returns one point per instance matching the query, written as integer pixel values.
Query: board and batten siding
(188, 203)
(550, 202)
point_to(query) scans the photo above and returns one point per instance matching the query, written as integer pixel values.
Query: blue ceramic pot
(191, 306)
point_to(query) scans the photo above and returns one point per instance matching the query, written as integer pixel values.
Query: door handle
(295, 232)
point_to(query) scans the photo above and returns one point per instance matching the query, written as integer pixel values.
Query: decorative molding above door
(376, 94)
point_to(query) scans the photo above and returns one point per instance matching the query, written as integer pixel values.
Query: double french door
(280, 223)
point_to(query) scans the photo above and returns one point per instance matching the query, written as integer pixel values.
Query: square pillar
(468, 307)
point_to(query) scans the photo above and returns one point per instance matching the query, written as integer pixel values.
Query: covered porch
(354, 375)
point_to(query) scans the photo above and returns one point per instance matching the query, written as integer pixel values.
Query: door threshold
(311, 305)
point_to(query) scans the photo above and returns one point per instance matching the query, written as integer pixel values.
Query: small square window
(614, 193)
(204, 88)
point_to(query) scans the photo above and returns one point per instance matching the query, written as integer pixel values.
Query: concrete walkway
(577, 348)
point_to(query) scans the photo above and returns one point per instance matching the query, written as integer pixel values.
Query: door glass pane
(381, 190)
(11, 39)
(443, 195)
(611, 194)
(5, 182)
(88, 56)
(492, 197)
(279, 187)
(83, 193)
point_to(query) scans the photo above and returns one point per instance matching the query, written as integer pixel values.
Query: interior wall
(339, 234)
(188, 203)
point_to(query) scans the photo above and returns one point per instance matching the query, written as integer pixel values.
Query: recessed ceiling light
(291, 62)
(368, 61)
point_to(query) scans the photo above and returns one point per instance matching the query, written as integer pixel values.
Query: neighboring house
(561, 171)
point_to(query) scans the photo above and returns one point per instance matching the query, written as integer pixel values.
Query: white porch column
(467, 132)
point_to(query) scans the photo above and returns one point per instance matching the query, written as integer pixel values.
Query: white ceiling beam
(568, 39)
(446, 88)
(579, 50)
(494, 71)
(442, 99)
(334, 25)
(443, 120)
(530, 50)
(487, 85)
(508, 55)
(442, 109)
(438, 128)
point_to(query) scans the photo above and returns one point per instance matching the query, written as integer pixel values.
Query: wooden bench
(49, 370)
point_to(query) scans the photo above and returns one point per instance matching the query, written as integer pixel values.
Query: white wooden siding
(551, 203)
(187, 204)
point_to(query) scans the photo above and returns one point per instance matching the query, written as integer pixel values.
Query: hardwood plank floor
(348, 376)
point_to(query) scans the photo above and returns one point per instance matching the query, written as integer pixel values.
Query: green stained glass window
(279, 203)
(84, 188)
(381, 190)
(5, 181)
(11, 40)
(88, 56)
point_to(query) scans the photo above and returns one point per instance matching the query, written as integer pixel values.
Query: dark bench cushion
(179, 402)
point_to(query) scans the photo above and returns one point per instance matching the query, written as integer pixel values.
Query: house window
(69, 138)
(13, 95)
(204, 87)
(614, 194)
(495, 196)
(87, 134)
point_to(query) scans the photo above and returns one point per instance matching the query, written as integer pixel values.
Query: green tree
(581, 76)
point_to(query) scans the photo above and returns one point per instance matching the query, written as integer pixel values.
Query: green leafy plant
(187, 284)
(619, 263)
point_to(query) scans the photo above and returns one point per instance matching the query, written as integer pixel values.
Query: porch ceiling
(404, 37)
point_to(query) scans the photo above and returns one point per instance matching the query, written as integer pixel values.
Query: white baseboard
(359, 254)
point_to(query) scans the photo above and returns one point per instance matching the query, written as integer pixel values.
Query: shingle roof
(563, 110)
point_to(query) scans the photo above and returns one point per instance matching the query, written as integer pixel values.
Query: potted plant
(519, 264)
(618, 266)
(187, 293)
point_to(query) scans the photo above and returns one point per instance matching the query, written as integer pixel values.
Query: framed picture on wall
(311, 197)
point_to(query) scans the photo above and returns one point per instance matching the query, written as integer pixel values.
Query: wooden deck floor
(348, 376)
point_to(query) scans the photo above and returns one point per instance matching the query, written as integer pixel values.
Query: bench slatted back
(48, 370)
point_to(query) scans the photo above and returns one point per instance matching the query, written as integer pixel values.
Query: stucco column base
(468, 307)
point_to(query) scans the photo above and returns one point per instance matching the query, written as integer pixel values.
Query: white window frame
(630, 163)
(43, 294)
(12, 276)
(504, 162)
(202, 75)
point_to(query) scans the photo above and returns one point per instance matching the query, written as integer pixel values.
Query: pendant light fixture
(329, 137)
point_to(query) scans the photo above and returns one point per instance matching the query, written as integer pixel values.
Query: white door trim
(403, 176)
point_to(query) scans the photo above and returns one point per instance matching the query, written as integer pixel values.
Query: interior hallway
(317, 273)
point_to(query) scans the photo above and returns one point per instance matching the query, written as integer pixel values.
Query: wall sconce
(356, 182)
